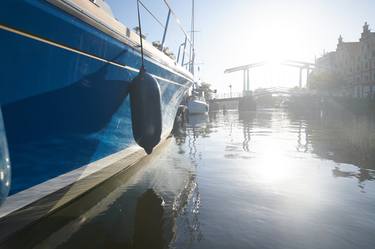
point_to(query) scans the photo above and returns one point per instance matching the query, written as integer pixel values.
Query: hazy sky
(236, 32)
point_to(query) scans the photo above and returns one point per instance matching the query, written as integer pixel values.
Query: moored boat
(197, 106)
(196, 102)
(65, 77)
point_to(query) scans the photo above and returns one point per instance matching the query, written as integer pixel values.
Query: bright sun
(272, 36)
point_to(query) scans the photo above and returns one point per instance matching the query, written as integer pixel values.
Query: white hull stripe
(130, 155)
(33, 37)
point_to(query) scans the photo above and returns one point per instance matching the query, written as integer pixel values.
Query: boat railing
(186, 50)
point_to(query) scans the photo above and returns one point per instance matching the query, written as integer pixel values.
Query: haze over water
(264, 179)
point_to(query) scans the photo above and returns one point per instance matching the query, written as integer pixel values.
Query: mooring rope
(140, 33)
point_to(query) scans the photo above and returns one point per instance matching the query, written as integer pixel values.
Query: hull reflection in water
(136, 209)
(148, 224)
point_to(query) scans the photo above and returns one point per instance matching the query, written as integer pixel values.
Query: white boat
(197, 105)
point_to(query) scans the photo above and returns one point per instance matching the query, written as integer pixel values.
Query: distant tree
(137, 30)
(326, 81)
(169, 53)
(157, 45)
(165, 50)
(205, 87)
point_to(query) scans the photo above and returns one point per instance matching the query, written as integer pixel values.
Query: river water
(264, 179)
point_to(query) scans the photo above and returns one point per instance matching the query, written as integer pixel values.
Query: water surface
(264, 179)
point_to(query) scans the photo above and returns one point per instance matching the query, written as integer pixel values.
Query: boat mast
(192, 46)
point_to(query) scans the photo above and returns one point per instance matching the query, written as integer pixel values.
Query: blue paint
(48, 22)
(61, 109)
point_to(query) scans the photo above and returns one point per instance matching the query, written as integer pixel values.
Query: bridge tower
(246, 82)
(302, 65)
(246, 75)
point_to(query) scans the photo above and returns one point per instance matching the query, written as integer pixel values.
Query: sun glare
(278, 36)
(273, 37)
(272, 169)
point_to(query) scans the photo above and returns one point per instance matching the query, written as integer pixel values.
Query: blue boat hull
(64, 92)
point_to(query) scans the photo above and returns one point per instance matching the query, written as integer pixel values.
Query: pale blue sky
(235, 32)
